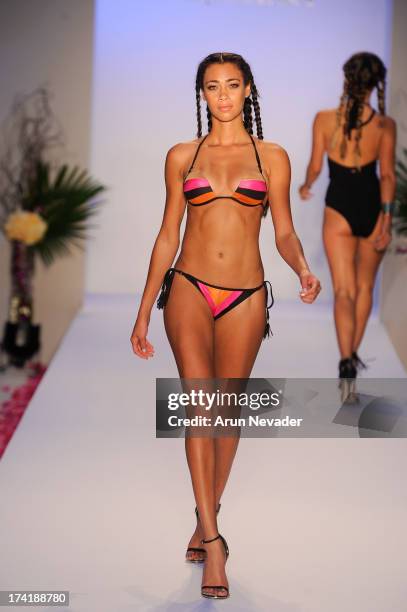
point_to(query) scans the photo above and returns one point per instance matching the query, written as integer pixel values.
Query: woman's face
(224, 90)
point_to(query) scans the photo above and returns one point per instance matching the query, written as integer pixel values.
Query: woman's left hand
(382, 241)
(310, 287)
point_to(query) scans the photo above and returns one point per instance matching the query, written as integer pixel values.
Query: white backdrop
(146, 56)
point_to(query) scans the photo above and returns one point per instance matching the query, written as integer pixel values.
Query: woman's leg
(238, 336)
(340, 247)
(367, 265)
(190, 327)
(235, 354)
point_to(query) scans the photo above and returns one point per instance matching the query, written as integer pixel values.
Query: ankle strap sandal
(193, 549)
(218, 587)
(219, 536)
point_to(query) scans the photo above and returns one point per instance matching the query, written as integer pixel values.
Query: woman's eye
(235, 85)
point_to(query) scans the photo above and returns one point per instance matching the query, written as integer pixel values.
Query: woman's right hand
(141, 346)
(310, 287)
(305, 193)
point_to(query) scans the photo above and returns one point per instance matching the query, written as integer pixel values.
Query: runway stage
(93, 503)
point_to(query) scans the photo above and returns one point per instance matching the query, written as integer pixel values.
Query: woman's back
(369, 144)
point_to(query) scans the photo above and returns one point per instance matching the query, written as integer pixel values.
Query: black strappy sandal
(218, 586)
(193, 548)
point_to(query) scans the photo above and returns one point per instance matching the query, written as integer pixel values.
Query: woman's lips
(224, 108)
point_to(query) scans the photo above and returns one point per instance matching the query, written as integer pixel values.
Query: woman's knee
(365, 288)
(342, 293)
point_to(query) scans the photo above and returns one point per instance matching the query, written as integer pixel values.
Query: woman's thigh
(238, 336)
(190, 327)
(367, 264)
(368, 259)
(340, 247)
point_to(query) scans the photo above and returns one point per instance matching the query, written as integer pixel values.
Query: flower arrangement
(44, 207)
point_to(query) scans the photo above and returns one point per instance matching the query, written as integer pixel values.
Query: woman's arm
(387, 156)
(165, 247)
(287, 241)
(317, 156)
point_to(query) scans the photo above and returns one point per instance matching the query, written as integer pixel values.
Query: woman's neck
(227, 133)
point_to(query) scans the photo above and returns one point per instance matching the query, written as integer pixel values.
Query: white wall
(146, 55)
(394, 279)
(50, 42)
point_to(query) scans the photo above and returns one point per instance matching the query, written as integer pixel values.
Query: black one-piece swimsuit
(355, 194)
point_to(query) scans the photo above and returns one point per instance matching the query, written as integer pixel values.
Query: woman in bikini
(215, 298)
(359, 205)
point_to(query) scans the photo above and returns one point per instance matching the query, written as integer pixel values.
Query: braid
(256, 106)
(247, 113)
(348, 108)
(358, 125)
(339, 112)
(198, 109)
(356, 151)
(209, 115)
(381, 86)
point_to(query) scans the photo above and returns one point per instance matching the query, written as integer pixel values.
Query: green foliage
(400, 214)
(66, 202)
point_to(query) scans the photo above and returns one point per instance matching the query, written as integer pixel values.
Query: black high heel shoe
(347, 378)
(194, 549)
(218, 586)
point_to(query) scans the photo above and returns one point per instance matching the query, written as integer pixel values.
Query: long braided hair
(363, 72)
(251, 104)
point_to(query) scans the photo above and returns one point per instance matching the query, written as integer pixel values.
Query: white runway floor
(93, 503)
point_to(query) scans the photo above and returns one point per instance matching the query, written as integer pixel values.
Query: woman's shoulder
(325, 117)
(179, 153)
(386, 122)
(325, 113)
(184, 147)
(271, 150)
(182, 150)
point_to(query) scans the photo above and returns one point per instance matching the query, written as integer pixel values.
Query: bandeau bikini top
(249, 192)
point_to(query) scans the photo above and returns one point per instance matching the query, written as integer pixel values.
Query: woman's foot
(347, 376)
(214, 581)
(347, 368)
(195, 552)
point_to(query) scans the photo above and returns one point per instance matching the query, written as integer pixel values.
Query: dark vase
(21, 339)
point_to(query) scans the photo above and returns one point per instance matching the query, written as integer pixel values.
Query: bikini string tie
(267, 330)
(165, 288)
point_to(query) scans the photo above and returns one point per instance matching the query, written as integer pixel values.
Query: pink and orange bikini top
(249, 192)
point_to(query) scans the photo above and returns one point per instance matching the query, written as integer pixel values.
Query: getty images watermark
(269, 407)
(215, 400)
